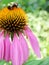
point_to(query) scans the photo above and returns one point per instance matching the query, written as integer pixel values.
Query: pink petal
(7, 48)
(11, 51)
(24, 46)
(1, 45)
(33, 40)
(16, 59)
(20, 51)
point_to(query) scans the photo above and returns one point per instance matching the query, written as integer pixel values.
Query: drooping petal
(1, 45)
(16, 59)
(11, 51)
(7, 48)
(20, 51)
(33, 40)
(24, 47)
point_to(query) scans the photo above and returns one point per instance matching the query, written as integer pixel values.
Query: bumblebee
(11, 5)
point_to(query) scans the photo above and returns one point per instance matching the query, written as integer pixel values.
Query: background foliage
(29, 5)
(38, 20)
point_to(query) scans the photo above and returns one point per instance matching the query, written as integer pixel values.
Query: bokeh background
(38, 20)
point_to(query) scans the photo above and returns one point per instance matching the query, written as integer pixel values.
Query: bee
(11, 5)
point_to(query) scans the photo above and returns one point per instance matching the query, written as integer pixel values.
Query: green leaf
(38, 62)
(30, 62)
(45, 62)
(33, 62)
(2, 62)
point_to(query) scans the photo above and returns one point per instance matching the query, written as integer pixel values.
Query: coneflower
(13, 28)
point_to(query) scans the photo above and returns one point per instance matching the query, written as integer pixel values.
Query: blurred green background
(38, 20)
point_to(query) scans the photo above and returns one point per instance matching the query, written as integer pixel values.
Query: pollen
(13, 19)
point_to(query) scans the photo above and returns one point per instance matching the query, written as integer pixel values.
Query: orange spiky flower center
(12, 20)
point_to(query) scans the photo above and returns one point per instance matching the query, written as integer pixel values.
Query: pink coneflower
(13, 28)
